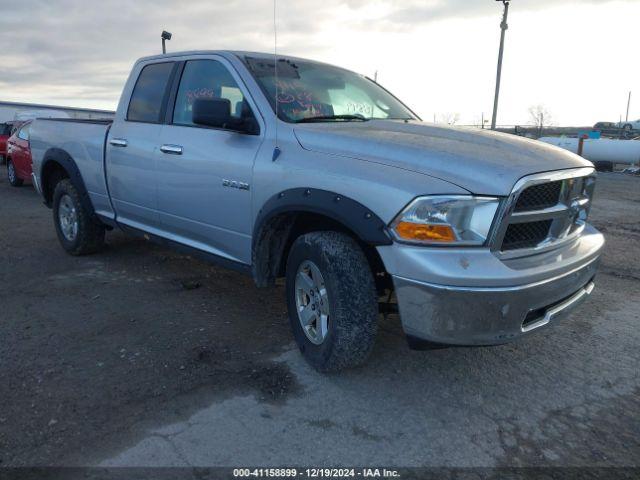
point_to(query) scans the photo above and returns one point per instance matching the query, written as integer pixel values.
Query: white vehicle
(24, 116)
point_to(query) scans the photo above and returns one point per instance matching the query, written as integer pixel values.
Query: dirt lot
(141, 356)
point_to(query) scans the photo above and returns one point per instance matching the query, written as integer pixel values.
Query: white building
(10, 111)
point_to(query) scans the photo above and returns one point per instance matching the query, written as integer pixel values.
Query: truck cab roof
(225, 53)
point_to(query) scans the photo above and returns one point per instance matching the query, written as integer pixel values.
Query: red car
(19, 156)
(5, 133)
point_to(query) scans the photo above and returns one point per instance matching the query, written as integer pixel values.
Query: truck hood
(480, 161)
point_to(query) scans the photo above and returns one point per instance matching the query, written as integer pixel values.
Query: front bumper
(489, 312)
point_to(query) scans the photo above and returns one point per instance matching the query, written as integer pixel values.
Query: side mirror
(216, 113)
(212, 112)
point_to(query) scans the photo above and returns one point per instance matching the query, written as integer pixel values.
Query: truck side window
(206, 79)
(148, 94)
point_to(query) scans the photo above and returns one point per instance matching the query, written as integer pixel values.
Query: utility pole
(628, 105)
(503, 28)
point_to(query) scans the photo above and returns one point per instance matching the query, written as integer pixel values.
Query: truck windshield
(315, 92)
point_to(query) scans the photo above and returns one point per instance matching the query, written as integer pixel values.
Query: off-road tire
(353, 301)
(90, 236)
(15, 181)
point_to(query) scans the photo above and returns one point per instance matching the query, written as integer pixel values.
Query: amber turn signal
(425, 232)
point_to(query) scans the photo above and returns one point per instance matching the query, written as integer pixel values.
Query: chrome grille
(525, 235)
(537, 197)
(543, 212)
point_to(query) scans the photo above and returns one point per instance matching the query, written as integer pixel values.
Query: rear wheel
(332, 300)
(12, 175)
(78, 229)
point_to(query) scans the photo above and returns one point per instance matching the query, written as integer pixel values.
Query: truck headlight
(446, 219)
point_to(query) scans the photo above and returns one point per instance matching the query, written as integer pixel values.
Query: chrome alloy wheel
(312, 302)
(11, 172)
(68, 218)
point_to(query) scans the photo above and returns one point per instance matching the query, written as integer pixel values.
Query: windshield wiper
(325, 118)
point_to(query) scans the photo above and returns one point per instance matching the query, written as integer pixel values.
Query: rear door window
(149, 94)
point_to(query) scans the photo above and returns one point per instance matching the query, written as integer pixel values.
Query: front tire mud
(351, 295)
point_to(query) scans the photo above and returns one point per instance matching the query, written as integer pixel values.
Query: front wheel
(332, 300)
(12, 175)
(79, 231)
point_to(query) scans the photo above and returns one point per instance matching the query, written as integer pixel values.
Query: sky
(574, 57)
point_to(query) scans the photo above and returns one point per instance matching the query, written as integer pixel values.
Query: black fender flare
(363, 222)
(366, 225)
(61, 157)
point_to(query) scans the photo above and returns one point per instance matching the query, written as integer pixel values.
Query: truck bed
(83, 140)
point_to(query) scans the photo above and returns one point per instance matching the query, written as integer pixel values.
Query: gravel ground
(142, 356)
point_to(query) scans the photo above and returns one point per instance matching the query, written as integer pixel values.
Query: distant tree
(449, 118)
(540, 117)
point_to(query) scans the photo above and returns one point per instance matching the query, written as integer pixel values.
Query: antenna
(276, 150)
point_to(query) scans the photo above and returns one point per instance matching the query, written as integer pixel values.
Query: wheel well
(52, 173)
(274, 241)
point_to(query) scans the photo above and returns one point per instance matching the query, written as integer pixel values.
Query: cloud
(72, 49)
(80, 52)
(412, 13)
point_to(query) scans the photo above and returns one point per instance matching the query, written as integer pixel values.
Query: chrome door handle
(118, 142)
(171, 149)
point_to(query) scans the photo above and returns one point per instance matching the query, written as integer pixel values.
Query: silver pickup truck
(302, 170)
